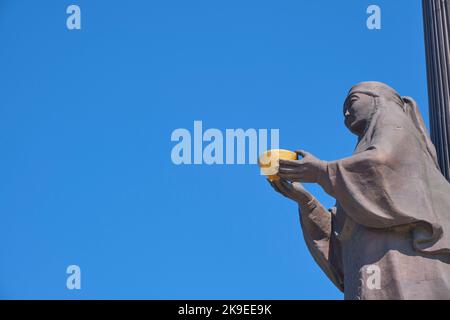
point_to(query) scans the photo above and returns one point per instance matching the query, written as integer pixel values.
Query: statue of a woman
(388, 237)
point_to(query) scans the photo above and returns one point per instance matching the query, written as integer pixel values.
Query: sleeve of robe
(316, 223)
(385, 183)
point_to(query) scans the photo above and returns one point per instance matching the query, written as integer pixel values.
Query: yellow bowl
(268, 162)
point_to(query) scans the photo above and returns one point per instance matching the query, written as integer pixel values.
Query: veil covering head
(393, 177)
(408, 105)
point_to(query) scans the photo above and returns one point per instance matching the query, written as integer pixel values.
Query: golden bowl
(268, 162)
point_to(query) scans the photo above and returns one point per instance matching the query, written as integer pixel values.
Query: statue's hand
(294, 191)
(307, 169)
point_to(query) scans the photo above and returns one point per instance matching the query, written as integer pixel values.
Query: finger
(299, 188)
(286, 189)
(291, 170)
(274, 186)
(290, 163)
(291, 176)
(297, 192)
(303, 153)
(287, 185)
(280, 188)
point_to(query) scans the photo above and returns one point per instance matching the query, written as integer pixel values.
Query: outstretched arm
(316, 225)
(363, 184)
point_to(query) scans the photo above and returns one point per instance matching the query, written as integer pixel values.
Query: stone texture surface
(388, 236)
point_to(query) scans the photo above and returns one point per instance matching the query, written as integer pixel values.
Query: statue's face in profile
(358, 108)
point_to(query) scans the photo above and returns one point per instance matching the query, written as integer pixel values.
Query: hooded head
(365, 99)
(362, 102)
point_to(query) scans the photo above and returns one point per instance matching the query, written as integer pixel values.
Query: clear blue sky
(86, 117)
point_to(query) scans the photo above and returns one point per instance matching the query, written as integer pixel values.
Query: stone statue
(388, 237)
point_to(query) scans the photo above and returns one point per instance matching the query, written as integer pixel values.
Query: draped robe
(388, 237)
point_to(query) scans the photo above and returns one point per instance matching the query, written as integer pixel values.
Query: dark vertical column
(436, 15)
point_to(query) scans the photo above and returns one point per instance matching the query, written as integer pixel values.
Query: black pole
(436, 17)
